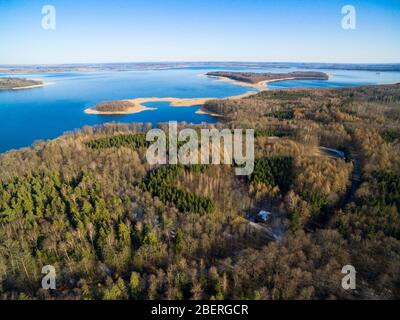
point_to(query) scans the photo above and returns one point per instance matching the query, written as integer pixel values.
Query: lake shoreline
(44, 84)
(138, 104)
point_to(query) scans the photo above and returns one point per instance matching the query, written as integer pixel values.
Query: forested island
(115, 227)
(10, 83)
(257, 77)
(117, 107)
(113, 106)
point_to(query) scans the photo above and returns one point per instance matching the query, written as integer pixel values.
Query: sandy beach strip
(33, 86)
(186, 102)
(174, 102)
(205, 112)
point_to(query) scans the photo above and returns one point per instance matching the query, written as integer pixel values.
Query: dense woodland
(114, 106)
(114, 227)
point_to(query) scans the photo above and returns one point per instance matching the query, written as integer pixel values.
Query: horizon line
(197, 61)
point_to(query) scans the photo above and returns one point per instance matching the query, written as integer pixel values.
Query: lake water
(48, 112)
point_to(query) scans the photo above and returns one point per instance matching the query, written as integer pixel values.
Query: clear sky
(203, 30)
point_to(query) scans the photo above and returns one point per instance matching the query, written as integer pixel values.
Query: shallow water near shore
(47, 112)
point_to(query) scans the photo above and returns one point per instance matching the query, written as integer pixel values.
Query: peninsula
(19, 83)
(132, 106)
(260, 80)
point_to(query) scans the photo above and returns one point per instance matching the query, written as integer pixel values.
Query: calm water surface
(48, 112)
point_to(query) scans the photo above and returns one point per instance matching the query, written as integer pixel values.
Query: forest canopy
(115, 227)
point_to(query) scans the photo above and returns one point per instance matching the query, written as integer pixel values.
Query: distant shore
(133, 66)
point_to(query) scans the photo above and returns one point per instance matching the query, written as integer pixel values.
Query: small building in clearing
(263, 216)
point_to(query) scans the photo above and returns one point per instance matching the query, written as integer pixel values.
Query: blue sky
(218, 30)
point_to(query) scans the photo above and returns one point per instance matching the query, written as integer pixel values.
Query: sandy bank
(202, 111)
(185, 102)
(174, 102)
(33, 86)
